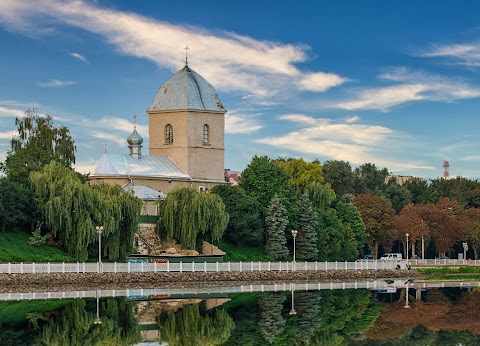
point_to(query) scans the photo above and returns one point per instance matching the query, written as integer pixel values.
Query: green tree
(340, 176)
(245, 225)
(379, 220)
(16, 205)
(38, 142)
(271, 321)
(276, 223)
(72, 209)
(186, 213)
(189, 327)
(397, 195)
(321, 195)
(301, 173)
(307, 306)
(307, 248)
(262, 179)
(419, 191)
(352, 220)
(370, 179)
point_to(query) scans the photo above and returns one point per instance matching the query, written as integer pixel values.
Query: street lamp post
(98, 320)
(407, 245)
(292, 311)
(294, 235)
(465, 249)
(99, 232)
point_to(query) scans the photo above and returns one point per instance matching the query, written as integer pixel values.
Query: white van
(391, 256)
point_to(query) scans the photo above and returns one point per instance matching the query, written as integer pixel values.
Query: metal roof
(186, 89)
(145, 193)
(147, 166)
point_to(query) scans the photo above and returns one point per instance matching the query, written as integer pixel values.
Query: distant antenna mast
(446, 174)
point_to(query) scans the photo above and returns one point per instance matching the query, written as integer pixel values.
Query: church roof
(186, 89)
(145, 193)
(116, 165)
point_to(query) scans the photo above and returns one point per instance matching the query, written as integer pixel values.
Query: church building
(186, 133)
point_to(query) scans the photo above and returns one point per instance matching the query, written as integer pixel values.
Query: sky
(394, 83)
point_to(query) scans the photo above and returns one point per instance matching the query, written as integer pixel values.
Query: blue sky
(392, 83)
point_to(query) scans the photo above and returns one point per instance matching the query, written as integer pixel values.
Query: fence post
(316, 265)
(9, 268)
(141, 267)
(115, 267)
(205, 266)
(346, 266)
(216, 266)
(48, 267)
(268, 265)
(376, 265)
(251, 266)
(326, 265)
(336, 265)
(367, 264)
(193, 266)
(306, 266)
(240, 266)
(229, 268)
(33, 267)
(63, 267)
(129, 266)
(21, 267)
(355, 265)
(78, 267)
(84, 270)
(259, 266)
(181, 267)
(280, 266)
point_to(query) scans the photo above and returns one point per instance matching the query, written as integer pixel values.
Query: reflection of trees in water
(189, 327)
(307, 306)
(271, 320)
(74, 325)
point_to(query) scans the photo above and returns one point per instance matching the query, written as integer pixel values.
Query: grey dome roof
(186, 89)
(135, 138)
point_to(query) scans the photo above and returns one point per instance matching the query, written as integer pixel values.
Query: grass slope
(16, 312)
(14, 247)
(242, 253)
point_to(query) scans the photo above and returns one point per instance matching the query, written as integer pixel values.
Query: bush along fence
(145, 266)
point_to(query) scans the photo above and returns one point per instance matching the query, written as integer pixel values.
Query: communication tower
(446, 174)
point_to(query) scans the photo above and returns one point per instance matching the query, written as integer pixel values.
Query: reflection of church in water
(186, 134)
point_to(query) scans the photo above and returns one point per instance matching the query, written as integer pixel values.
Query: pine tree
(276, 222)
(306, 246)
(271, 321)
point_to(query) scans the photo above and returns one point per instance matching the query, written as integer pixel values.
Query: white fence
(146, 267)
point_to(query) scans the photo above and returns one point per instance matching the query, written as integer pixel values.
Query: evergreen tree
(276, 222)
(271, 320)
(307, 235)
(307, 306)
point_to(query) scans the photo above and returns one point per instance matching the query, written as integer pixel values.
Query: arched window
(168, 134)
(206, 134)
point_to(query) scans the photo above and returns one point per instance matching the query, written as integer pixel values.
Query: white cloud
(464, 53)
(415, 86)
(235, 123)
(352, 119)
(299, 118)
(78, 56)
(55, 83)
(8, 135)
(320, 81)
(259, 68)
(355, 143)
(10, 112)
(119, 124)
(108, 137)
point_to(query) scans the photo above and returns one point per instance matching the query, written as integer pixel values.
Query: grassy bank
(458, 273)
(242, 253)
(14, 247)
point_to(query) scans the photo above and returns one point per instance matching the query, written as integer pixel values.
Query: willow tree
(189, 327)
(72, 209)
(186, 213)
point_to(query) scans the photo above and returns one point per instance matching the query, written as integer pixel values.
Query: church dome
(135, 138)
(186, 89)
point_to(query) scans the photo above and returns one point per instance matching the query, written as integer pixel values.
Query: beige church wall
(149, 208)
(207, 163)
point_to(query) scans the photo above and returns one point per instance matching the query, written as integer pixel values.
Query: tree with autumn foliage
(409, 221)
(379, 219)
(472, 229)
(446, 227)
